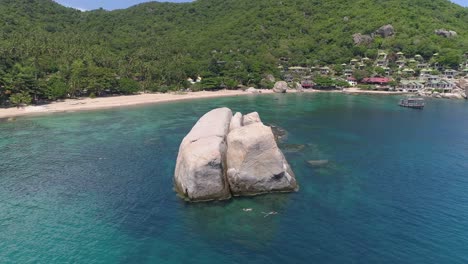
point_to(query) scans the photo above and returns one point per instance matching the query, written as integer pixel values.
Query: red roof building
(376, 80)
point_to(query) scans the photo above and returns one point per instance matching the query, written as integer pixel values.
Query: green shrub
(128, 86)
(56, 88)
(266, 84)
(19, 99)
(365, 87)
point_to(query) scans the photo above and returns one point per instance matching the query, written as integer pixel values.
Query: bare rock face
(360, 39)
(251, 118)
(280, 87)
(255, 164)
(463, 84)
(385, 31)
(446, 33)
(466, 91)
(236, 121)
(200, 170)
(252, 90)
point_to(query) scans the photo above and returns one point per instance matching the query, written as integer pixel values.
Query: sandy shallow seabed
(71, 105)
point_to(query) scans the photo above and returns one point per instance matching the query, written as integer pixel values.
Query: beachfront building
(464, 65)
(376, 80)
(450, 74)
(352, 81)
(429, 78)
(295, 73)
(410, 85)
(387, 70)
(400, 63)
(408, 71)
(382, 59)
(288, 78)
(192, 81)
(307, 84)
(440, 84)
(422, 66)
(465, 71)
(348, 73)
(324, 70)
(299, 70)
(426, 71)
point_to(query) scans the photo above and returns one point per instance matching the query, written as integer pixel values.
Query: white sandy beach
(72, 105)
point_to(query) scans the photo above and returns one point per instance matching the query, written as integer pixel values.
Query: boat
(413, 102)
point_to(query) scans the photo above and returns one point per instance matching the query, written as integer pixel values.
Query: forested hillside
(48, 51)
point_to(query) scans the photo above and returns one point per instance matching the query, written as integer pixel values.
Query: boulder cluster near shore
(227, 155)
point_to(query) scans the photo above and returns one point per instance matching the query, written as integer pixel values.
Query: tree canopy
(49, 51)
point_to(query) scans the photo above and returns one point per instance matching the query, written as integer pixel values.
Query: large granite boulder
(200, 170)
(280, 87)
(225, 155)
(251, 118)
(255, 164)
(385, 31)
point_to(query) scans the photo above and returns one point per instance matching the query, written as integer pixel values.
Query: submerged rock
(200, 169)
(280, 133)
(292, 147)
(255, 163)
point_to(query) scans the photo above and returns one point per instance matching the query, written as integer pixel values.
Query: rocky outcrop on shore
(456, 93)
(280, 87)
(225, 155)
(252, 90)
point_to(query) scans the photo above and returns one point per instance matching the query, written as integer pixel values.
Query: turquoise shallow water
(96, 187)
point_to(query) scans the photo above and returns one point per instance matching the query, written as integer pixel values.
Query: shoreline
(83, 104)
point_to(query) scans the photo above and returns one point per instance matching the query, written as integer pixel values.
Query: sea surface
(97, 186)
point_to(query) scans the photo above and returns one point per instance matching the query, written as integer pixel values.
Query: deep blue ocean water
(96, 187)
